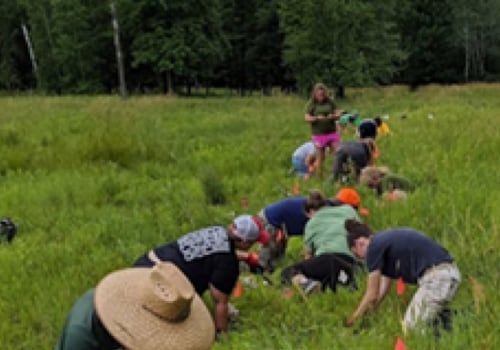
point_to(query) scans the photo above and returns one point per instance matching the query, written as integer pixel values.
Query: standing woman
(321, 114)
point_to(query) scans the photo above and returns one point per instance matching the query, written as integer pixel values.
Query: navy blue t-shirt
(404, 252)
(206, 257)
(289, 212)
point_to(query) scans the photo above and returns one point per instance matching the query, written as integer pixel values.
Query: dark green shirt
(393, 182)
(83, 330)
(322, 127)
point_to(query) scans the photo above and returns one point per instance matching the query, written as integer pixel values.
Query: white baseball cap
(250, 228)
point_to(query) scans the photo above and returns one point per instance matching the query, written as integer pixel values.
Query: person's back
(392, 182)
(289, 213)
(325, 232)
(404, 252)
(367, 129)
(304, 150)
(351, 157)
(83, 329)
(206, 257)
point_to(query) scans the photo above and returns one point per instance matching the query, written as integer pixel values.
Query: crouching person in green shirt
(139, 309)
(392, 186)
(328, 262)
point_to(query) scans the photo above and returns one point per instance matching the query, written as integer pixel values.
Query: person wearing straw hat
(209, 258)
(327, 259)
(140, 309)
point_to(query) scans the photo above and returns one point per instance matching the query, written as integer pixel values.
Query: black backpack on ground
(8, 230)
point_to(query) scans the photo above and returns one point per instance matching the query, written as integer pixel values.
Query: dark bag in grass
(8, 230)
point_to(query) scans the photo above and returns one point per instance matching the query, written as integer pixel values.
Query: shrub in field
(212, 186)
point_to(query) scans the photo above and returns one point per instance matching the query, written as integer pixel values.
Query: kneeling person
(408, 254)
(327, 258)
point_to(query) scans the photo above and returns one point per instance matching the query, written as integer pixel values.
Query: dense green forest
(245, 45)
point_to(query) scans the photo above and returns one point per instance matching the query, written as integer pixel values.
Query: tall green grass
(94, 182)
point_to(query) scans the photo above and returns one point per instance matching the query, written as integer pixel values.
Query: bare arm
(369, 299)
(308, 254)
(385, 286)
(242, 255)
(310, 118)
(221, 313)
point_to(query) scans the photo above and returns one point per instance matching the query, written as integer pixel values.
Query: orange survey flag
(238, 290)
(400, 287)
(400, 344)
(296, 188)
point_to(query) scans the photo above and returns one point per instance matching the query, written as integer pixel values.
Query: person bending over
(327, 259)
(384, 182)
(382, 127)
(351, 157)
(408, 254)
(139, 309)
(209, 259)
(281, 220)
(303, 160)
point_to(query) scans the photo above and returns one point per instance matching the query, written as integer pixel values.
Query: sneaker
(233, 313)
(305, 285)
(310, 286)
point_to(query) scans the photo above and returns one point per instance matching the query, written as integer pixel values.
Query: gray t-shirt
(305, 150)
(404, 252)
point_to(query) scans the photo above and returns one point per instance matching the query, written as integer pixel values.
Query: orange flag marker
(296, 188)
(364, 211)
(238, 290)
(288, 293)
(391, 196)
(400, 344)
(400, 287)
(244, 203)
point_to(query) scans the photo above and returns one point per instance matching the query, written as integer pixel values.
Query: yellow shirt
(383, 129)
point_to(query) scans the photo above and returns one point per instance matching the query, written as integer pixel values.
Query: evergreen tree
(15, 67)
(340, 43)
(426, 28)
(181, 40)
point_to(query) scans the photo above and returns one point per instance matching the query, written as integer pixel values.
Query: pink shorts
(322, 141)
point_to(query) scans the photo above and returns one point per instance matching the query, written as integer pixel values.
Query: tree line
(245, 45)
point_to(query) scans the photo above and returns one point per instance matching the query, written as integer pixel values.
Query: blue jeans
(299, 166)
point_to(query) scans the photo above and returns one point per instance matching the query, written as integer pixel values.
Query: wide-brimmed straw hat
(154, 309)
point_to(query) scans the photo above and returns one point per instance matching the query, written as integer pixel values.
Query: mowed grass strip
(94, 182)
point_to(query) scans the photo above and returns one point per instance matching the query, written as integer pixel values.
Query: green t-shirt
(322, 127)
(325, 231)
(392, 182)
(349, 118)
(83, 331)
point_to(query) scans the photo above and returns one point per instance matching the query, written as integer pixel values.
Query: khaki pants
(437, 287)
(275, 249)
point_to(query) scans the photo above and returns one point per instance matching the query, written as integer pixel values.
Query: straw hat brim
(118, 304)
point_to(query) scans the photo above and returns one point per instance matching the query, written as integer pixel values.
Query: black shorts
(329, 269)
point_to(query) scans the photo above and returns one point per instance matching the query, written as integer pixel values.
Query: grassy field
(94, 182)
